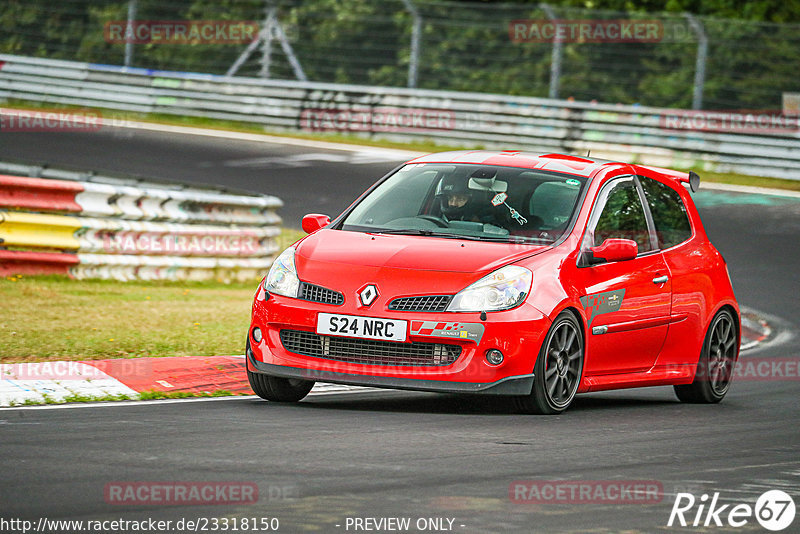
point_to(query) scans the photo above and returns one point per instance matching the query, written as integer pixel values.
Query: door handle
(660, 279)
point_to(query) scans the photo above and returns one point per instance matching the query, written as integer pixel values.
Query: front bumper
(512, 385)
(518, 333)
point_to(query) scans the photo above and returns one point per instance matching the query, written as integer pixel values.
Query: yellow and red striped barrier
(96, 229)
(38, 194)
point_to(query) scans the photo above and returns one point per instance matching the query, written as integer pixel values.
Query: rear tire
(277, 389)
(558, 369)
(715, 366)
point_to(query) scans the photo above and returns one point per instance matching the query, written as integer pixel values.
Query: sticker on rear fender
(332, 324)
(470, 331)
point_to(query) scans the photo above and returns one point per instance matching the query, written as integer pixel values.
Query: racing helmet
(454, 196)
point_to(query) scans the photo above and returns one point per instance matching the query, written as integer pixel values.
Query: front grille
(369, 351)
(320, 294)
(427, 303)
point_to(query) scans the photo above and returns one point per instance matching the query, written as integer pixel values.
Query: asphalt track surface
(382, 454)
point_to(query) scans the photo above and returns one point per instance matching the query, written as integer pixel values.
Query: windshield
(470, 201)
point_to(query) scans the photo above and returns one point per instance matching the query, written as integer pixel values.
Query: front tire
(715, 366)
(558, 369)
(277, 389)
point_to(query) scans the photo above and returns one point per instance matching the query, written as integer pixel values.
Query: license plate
(331, 324)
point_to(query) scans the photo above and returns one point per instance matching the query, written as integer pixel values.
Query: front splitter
(509, 386)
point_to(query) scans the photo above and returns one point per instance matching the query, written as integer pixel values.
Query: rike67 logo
(774, 510)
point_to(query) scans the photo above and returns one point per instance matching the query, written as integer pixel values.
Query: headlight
(500, 290)
(282, 278)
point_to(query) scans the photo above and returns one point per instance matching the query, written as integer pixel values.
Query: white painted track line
(715, 186)
(332, 389)
(263, 138)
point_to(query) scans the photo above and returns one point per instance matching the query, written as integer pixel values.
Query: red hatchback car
(502, 273)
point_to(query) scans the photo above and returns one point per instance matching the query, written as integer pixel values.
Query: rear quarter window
(669, 213)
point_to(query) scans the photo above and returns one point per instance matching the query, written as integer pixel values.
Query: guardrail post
(700, 60)
(556, 55)
(245, 55)
(416, 34)
(272, 30)
(287, 49)
(132, 8)
(266, 40)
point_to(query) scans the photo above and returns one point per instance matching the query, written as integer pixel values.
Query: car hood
(419, 253)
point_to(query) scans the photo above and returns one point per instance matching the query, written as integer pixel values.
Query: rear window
(669, 213)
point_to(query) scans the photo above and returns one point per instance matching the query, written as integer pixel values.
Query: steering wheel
(438, 221)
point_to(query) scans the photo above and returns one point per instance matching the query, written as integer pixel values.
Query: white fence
(672, 138)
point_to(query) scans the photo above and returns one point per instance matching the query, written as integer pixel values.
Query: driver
(456, 199)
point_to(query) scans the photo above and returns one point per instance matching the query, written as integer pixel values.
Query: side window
(669, 213)
(623, 217)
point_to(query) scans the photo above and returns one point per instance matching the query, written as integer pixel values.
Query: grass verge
(49, 318)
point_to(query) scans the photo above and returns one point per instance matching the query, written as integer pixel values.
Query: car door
(689, 276)
(627, 303)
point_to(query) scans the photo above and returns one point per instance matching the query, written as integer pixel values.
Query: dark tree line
(464, 46)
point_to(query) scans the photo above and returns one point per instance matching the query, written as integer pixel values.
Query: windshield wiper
(412, 231)
(407, 231)
(505, 239)
(433, 233)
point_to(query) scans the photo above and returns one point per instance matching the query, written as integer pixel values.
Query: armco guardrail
(631, 133)
(55, 221)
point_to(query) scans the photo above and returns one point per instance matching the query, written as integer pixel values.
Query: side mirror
(314, 221)
(613, 250)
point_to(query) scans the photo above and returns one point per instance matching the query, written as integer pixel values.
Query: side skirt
(657, 376)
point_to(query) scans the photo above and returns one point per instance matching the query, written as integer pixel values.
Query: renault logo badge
(368, 295)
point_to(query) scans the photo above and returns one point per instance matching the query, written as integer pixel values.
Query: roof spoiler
(691, 178)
